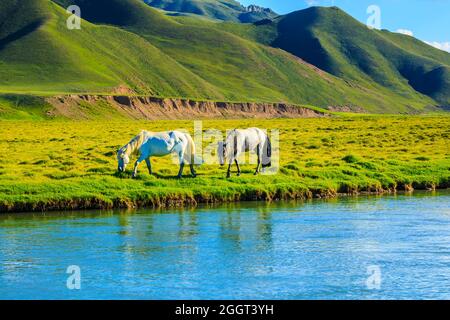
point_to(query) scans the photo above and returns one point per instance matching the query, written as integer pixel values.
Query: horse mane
(231, 141)
(231, 136)
(133, 146)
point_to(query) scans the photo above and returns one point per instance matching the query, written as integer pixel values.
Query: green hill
(39, 54)
(335, 42)
(128, 43)
(226, 10)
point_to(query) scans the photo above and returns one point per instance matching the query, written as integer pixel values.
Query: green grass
(94, 59)
(23, 107)
(71, 165)
(134, 45)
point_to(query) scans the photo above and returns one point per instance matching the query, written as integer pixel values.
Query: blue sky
(428, 20)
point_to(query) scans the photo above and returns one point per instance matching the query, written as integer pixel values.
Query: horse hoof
(194, 176)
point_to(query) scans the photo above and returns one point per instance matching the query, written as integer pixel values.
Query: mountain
(226, 10)
(38, 54)
(128, 44)
(335, 42)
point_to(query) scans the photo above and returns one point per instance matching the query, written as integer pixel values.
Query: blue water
(311, 250)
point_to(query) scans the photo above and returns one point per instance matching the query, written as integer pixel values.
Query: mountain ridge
(224, 10)
(337, 43)
(138, 47)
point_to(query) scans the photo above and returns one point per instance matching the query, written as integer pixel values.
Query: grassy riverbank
(53, 165)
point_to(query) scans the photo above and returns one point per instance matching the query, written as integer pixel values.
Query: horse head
(222, 152)
(123, 160)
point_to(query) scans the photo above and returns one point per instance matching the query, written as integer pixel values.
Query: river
(367, 247)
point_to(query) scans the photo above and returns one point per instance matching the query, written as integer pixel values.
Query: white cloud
(406, 31)
(312, 2)
(440, 45)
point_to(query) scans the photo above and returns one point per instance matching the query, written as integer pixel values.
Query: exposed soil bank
(190, 200)
(153, 108)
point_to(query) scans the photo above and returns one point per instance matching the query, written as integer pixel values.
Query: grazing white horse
(158, 144)
(239, 141)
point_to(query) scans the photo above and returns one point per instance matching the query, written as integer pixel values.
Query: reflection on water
(296, 250)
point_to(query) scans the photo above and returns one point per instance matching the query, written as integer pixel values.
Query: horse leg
(194, 174)
(229, 170)
(149, 165)
(258, 151)
(136, 165)
(238, 168)
(180, 172)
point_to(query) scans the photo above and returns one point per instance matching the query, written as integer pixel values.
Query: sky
(427, 20)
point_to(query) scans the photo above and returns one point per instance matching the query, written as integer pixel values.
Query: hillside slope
(134, 46)
(226, 10)
(233, 62)
(155, 54)
(335, 42)
(39, 54)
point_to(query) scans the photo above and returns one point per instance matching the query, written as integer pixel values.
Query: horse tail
(269, 147)
(190, 155)
(267, 153)
(235, 145)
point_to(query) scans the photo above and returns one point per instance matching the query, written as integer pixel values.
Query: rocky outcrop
(258, 9)
(153, 108)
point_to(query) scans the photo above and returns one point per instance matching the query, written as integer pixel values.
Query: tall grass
(71, 165)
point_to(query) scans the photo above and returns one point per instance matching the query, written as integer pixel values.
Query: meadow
(59, 165)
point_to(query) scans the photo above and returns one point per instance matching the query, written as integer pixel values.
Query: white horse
(157, 144)
(239, 141)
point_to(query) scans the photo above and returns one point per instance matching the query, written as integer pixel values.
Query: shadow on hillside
(29, 28)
